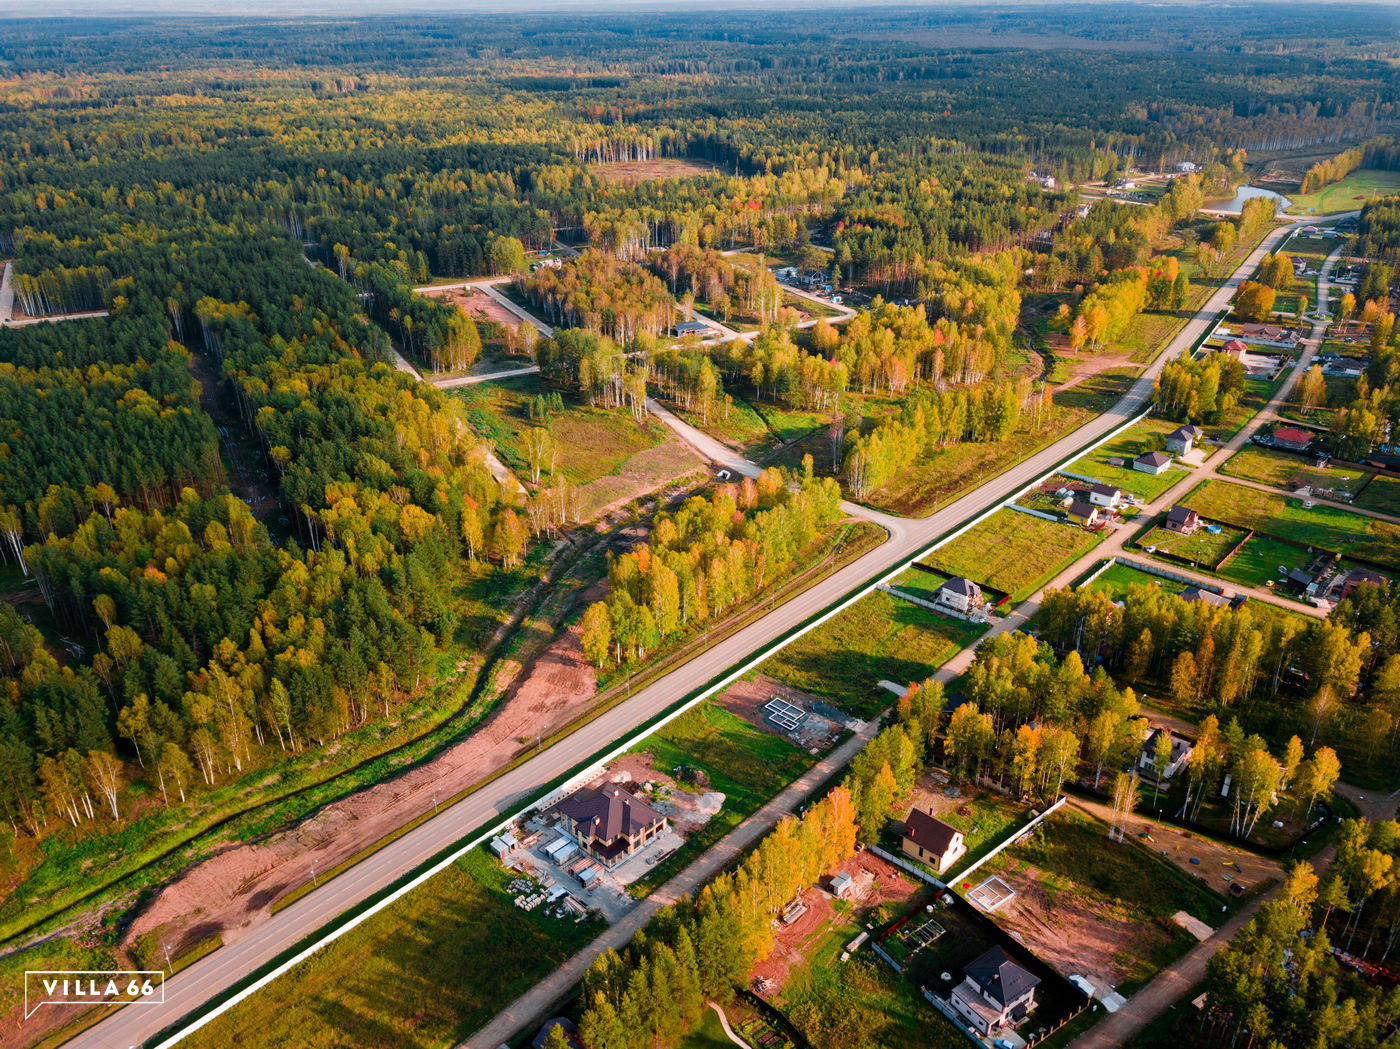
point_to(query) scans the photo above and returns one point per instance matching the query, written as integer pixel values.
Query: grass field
(1286, 518)
(1203, 548)
(879, 637)
(746, 764)
(424, 972)
(592, 441)
(1280, 469)
(1117, 578)
(1347, 194)
(1381, 495)
(1013, 552)
(921, 584)
(709, 1035)
(1259, 559)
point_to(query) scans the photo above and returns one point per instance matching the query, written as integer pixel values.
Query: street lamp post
(313, 874)
(168, 963)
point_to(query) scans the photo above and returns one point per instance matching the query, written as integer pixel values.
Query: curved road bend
(247, 949)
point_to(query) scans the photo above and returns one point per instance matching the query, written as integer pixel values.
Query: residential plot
(1381, 495)
(879, 637)
(1284, 470)
(1013, 552)
(1090, 907)
(1118, 577)
(1206, 547)
(1287, 518)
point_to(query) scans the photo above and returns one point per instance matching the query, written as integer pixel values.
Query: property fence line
(934, 606)
(1167, 573)
(905, 865)
(1080, 477)
(958, 1022)
(1098, 572)
(885, 955)
(1035, 513)
(1012, 839)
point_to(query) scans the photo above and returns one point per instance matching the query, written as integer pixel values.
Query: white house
(1180, 754)
(1105, 495)
(995, 992)
(1183, 438)
(1152, 462)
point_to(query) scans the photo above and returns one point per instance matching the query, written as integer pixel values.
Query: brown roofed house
(928, 839)
(609, 823)
(1183, 519)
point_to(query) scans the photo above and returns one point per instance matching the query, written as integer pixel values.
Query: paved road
(472, 380)
(7, 297)
(250, 947)
(534, 1006)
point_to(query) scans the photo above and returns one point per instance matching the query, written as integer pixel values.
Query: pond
(1236, 204)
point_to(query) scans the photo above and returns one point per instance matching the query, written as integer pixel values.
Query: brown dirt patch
(630, 172)
(1085, 365)
(671, 461)
(1073, 935)
(874, 881)
(746, 699)
(477, 304)
(232, 891)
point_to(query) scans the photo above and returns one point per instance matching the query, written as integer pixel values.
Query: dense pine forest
(252, 205)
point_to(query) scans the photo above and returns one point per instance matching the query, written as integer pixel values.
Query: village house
(995, 992)
(1344, 367)
(1087, 515)
(929, 840)
(682, 328)
(1105, 495)
(1269, 335)
(1182, 519)
(961, 594)
(1152, 463)
(609, 823)
(1361, 577)
(1196, 593)
(1180, 754)
(1292, 438)
(1184, 438)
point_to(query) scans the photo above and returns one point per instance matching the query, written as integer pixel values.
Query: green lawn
(990, 819)
(1013, 552)
(425, 972)
(709, 1035)
(1287, 518)
(1150, 435)
(1280, 469)
(1258, 561)
(1381, 495)
(1204, 549)
(1347, 194)
(1118, 577)
(592, 442)
(879, 637)
(921, 584)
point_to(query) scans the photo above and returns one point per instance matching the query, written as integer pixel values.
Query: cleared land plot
(1282, 469)
(879, 637)
(628, 172)
(1013, 552)
(1204, 548)
(1150, 435)
(1346, 194)
(383, 983)
(1381, 495)
(1286, 518)
(1102, 909)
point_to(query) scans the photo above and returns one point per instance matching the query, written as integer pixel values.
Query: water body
(1236, 204)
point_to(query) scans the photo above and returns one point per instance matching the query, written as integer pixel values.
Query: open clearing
(1286, 518)
(879, 637)
(1100, 909)
(1013, 552)
(1283, 469)
(1347, 194)
(631, 172)
(1381, 495)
